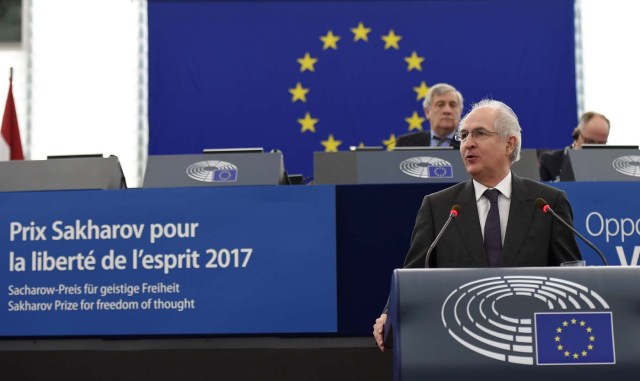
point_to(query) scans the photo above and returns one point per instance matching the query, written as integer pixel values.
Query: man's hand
(378, 331)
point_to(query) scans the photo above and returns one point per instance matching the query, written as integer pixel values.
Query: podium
(420, 165)
(64, 173)
(559, 323)
(221, 169)
(602, 164)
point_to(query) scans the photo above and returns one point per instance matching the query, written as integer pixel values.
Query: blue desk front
(244, 260)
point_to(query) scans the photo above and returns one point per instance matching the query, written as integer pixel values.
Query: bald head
(592, 129)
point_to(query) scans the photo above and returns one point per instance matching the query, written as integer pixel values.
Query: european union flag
(322, 75)
(440, 171)
(574, 338)
(225, 175)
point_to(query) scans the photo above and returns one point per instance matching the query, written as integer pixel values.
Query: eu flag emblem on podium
(440, 171)
(574, 338)
(225, 175)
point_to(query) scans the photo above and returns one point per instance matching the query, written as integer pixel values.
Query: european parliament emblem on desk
(213, 171)
(487, 316)
(627, 165)
(427, 167)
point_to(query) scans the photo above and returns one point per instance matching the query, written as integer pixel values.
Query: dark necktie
(439, 141)
(492, 239)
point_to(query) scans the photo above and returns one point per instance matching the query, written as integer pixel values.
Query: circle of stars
(574, 354)
(330, 41)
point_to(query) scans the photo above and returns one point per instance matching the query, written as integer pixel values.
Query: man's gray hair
(439, 89)
(506, 123)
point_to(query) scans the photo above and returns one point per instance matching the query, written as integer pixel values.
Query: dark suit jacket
(532, 238)
(420, 139)
(551, 164)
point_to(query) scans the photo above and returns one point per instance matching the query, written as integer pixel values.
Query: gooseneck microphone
(453, 213)
(544, 206)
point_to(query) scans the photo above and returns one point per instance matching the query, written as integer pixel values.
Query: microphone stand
(452, 214)
(546, 208)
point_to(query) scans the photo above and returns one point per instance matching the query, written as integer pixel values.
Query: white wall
(84, 80)
(85, 84)
(611, 65)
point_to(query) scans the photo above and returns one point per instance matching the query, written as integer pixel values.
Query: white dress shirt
(504, 202)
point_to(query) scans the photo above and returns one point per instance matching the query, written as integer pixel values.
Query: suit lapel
(468, 225)
(520, 217)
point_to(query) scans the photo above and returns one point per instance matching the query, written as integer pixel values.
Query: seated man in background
(593, 128)
(443, 108)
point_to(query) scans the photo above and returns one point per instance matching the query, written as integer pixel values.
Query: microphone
(542, 205)
(453, 213)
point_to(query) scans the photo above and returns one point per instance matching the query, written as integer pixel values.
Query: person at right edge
(593, 128)
(499, 223)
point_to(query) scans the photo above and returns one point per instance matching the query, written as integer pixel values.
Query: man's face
(485, 155)
(595, 131)
(444, 113)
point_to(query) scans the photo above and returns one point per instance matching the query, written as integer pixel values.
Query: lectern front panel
(525, 324)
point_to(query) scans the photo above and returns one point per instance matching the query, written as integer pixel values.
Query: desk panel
(244, 260)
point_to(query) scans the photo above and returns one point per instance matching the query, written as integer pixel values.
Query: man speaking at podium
(499, 224)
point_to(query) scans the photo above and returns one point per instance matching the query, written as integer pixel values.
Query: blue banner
(604, 213)
(242, 260)
(305, 76)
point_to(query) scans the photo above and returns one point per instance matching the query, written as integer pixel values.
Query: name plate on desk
(527, 166)
(405, 166)
(388, 167)
(602, 164)
(62, 173)
(214, 169)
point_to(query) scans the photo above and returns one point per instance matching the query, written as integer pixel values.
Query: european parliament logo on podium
(566, 323)
(213, 171)
(427, 167)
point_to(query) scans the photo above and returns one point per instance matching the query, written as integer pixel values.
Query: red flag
(10, 144)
